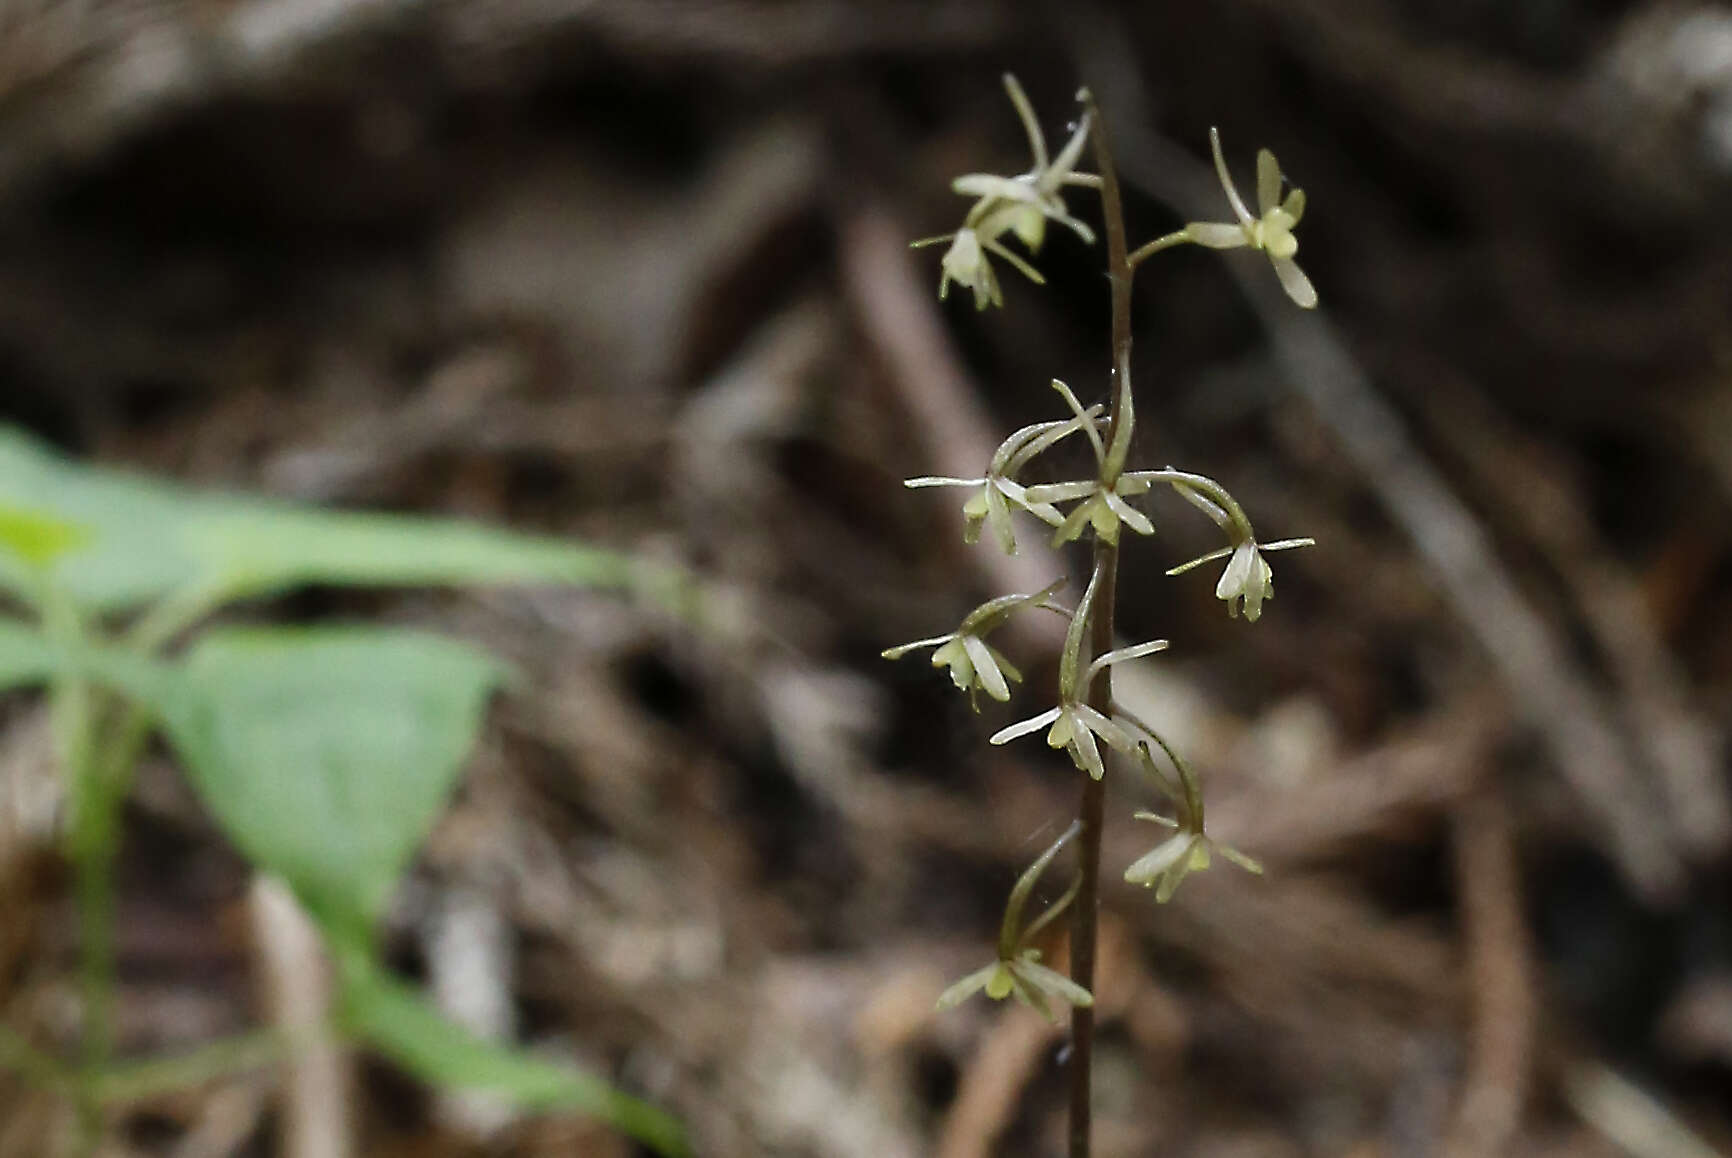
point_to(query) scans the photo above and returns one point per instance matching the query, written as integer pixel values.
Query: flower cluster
(1087, 722)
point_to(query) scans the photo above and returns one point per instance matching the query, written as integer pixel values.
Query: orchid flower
(1270, 231)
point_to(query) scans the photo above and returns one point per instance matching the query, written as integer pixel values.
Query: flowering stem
(1106, 568)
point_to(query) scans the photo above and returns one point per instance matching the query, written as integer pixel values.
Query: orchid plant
(1087, 722)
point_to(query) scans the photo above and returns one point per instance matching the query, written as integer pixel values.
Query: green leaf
(403, 1027)
(35, 538)
(27, 657)
(143, 540)
(326, 755)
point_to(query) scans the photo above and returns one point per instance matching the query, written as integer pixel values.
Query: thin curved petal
(1294, 281)
(933, 480)
(1268, 182)
(1071, 153)
(1024, 727)
(966, 988)
(1294, 206)
(1031, 126)
(994, 186)
(1038, 976)
(1022, 267)
(1239, 210)
(1200, 560)
(1240, 859)
(904, 649)
(1120, 655)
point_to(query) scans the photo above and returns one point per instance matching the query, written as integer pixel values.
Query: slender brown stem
(1091, 811)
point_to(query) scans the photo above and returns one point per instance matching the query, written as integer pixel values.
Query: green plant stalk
(91, 839)
(1091, 810)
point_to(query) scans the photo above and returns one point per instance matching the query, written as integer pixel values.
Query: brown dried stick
(1501, 966)
(1676, 738)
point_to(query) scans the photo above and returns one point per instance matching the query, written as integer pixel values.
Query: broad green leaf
(402, 1026)
(146, 540)
(27, 657)
(327, 754)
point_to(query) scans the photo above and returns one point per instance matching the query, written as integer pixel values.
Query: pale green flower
(991, 506)
(1017, 971)
(1187, 851)
(1103, 508)
(1020, 205)
(1270, 231)
(975, 665)
(999, 492)
(1247, 581)
(1022, 977)
(1074, 726)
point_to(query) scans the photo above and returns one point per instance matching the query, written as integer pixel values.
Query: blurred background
(636, 272)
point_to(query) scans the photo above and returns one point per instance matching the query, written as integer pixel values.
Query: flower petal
(1024, 727)
(1022, 267)
(1240, 859)
(986, 672)
(1159, 859)
(1113, 733)
(996, 187)
(998, 517)
(1031, 126)
(1268, 183)
(1294, 281)
(1073, 525)
(1200, 560)
(1238, 572)
(1063, 492)
(954, 655)
(933, 480)
(1294, 206)
(1120, 655)
(1217, 235)
(1085, 753)
(1038, 976)
(967, 987)
(1129, 515)
(1239, 210)
(903, 649)
(1069, 155)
